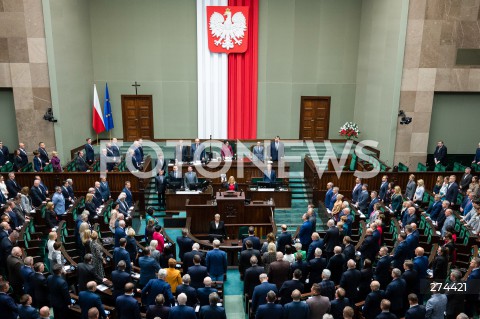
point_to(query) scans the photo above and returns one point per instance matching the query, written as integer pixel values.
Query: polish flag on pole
(98, 124)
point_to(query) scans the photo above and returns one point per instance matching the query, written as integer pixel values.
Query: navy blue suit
(276, 153)
(370, 207)
(59, 295)
(87, 300)
(28, 312)
(314, 245)
(416, 312)
(200, 154)
(105, 190)
(305, 233)
(8, 307)
(27, 273)
(119, 233)
(216, 262)
(270, 310)
(386, 315)
(440, 154)
(337, 306)
(269, 178)
(148, 269)
(316, 266)
(328, 198)
(190, 292)
(120, 253)
(260, 293)
(434, 210)
(369, 248)
(127, 307)
(184, 245)
(37, 196)
(350, 281)
(89, 154)
(399, 255)
(420, 264)
(371, 308)
(288, 287)
(119, 280)
(363, 201)
(255, 241)
(182, 312)
(383, 190)
(382, 271)
(197, 274)
(212, 312)
(452, 193)
(357, 190)
(296, 310)
(129, 198)
(395, 292)
(283, 239)
(203, 295)
(155, 287)
(412, 244)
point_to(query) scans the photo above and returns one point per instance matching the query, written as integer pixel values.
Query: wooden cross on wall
(136, 85)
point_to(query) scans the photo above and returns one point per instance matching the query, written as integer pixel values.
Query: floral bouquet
(349, 130)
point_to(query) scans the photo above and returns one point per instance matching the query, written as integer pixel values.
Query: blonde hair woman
(270, 239)
(85, 236)
(270, 256)
(418, 197)
(113, 217)
(337, 207)
(52, 238)
(131, 244)
(397, 201)
(97, 254)
(173, 275)
(231, 185)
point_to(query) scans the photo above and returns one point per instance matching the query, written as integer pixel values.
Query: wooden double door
(137, 115)
(314, 117)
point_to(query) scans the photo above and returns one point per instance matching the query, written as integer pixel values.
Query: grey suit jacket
(410, 189)
(190, 178)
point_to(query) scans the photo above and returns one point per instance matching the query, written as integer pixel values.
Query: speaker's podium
(234, 211)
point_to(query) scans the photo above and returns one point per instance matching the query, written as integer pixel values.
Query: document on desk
(102, 287)
(266, 189)
(188, 192)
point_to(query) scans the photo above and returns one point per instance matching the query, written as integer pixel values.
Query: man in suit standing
(80, 162)
(373, 200)
(350, 281)
(254, 239)
(8, 307)
(212, 311)
(14, 265)
(120, 253)
(128, 192)
(466, 180)
(216, 262)
(395, 292)
(317, 242)
(119, 279)
(434, 209)
(89, 299)
(410, 188)
(269, 175)
(23, 154)
(285, 238)
(245, 256)
(363, 199)
(197, 273)
(440, 154)
(160, 186)
(473, 288)
(452, 190)
(270, 309)
(436, 305)
(155, 287)
(279, 270)
(260, 292)
(305, 233)
(385, 306)
(316, 267)
(58, 293)
(289, 286)
(26, 271)
(4, 154)
(259, 152)
(43, 154)
(197, 151)
(39, 285)
(336, 265)
(188, 257)
(175, 175)
(126, 305)
(401, 252)
(86, 273)
(180, 152)
(120, 233)
(318, 304)
(371, 308)
(184, 243)
(182, 310)
(328, 195)
(187, 290)
(190, 178)
(203, 293)
(217, 227)
(250, 279)
(331, 239)
(89, 152)
(296, 309)
(38, 197)
(415, 311)
(357, 189)
(277, 149)
(13, 187)
(104, 189)
(383, 188)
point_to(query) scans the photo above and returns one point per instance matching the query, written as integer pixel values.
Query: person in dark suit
(296, 309)
(316, 267)
(159, 309)
(120, 278)
(339, 303)
(216, 262)
(38, 197)
(23, 154)
(86, 273)
(452, 190)
(217, 227)
(120, 253)
(188, 290)
(104, 189)
(38, 165)
(190, 178)
(331, 239)
(279, 270)
(14, 265)
(289, 286)
(258, 152)
(182, 310)
(181, 152)
(25, 308)
(270, 309)
(317, 242)
(269, 175)
(415, 311)
(466, 180)
(8, 307)
(382, 271)
(197, 151)
(371, 308)
(89, 152)
(89, 299)
(39, 285)
(329, 195)
(363, 199)
(350, 281)
(373, 200)
(382, 193)
(335, 265)
(395, 292)
(197, 273)
(43, 153)
(58, 293)
(251, 277)
(385, 306)
(204, 292)
(128, 192)
(148, 267)
(434, 209)
(410, 188)
(126, 305)
(369, 247)
(285, 238)
(120, 233)
(300, 264)
(349, 250)
(456, 302)
(245, 255)
(260, 292)
(80, 162)
(401, 252)
(212, 311)
(188, 257)
(13, 187)
(305, 233)
(26, 271)
(440, 265)
(254, 239)
(357, 189)
(277, 149)
(184, 243)
(473, 288)
(155, 287)
(160, 186)
(440, 154)
(366, 276)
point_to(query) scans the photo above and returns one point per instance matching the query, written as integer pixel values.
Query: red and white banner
(227, 48)
(227, 29)
(97, 121)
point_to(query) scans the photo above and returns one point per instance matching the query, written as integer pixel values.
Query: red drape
(243, 80)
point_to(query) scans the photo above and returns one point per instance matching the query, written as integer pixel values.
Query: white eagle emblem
(228, 31)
